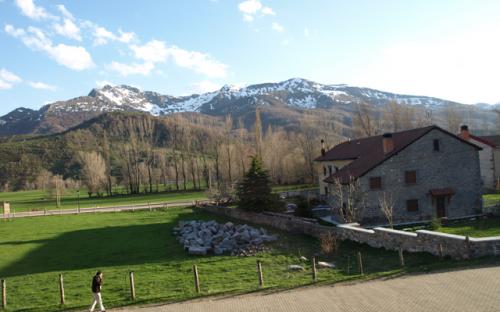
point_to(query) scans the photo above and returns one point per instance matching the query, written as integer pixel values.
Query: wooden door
(440, 207)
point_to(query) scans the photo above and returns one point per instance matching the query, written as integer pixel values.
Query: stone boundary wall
(436, 243)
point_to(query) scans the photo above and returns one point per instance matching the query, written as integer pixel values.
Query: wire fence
(96, 209)
(176, 281)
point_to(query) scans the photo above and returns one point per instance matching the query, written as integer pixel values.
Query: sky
(57, 50)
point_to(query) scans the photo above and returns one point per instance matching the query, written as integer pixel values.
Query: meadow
(40, 200)
(34, 251)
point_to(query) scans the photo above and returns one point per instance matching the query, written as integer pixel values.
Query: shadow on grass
(102, 247)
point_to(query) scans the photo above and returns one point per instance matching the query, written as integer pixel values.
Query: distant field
(38, 200)
(33, 251)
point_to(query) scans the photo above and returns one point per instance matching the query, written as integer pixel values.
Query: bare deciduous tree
(94, 172)
(386, 204)
(349, 198)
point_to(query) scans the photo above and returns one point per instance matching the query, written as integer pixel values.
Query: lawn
(33, 251)
(491, 199)
(479, 227)
(38, 200)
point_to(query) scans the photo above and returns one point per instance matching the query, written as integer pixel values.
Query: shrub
(329, 243)
(435, 224)
(303, 207)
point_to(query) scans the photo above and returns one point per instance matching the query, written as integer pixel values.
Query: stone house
(489, 157)
(427, 172)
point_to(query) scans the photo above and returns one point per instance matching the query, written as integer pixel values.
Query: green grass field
(38, 200)
(491, 199)
(33, 251)
(473, 228)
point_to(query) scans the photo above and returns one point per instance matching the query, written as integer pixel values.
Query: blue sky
(53, 50)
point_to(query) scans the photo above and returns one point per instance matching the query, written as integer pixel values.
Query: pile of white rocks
(202, 237)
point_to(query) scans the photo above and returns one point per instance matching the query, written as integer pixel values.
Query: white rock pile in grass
(203, 237)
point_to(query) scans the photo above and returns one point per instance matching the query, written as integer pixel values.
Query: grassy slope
(34, 251)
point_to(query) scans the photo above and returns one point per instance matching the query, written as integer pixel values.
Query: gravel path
(467, 290)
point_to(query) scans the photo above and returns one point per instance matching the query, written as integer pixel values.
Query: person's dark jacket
(96, 284)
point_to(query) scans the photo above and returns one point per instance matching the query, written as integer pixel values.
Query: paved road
(467, 290)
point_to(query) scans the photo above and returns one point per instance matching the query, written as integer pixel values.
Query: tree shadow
(99, 247)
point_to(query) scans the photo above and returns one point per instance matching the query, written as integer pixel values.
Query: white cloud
(31, 10)
(268, 11)
(277, 27)
(73, 57)
(154, 51)
(68, 29)
(8, 79)
(251, 8)
(42, 86)
(65, 12)
(199, 62)
(132, 69)
(463, 67)
(204, 87)
(102, 36)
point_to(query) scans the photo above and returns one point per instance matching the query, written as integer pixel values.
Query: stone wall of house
(455, 166)
(439, 244)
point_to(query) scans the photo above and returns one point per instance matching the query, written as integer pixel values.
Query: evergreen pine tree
(254, 192)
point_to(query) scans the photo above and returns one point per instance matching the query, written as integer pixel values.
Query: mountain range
(290, 96)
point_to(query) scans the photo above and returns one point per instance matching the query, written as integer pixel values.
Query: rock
(199, 238)
(329, 265)
(302, 258)
(295, 267)
(269, 238)
(197, 251)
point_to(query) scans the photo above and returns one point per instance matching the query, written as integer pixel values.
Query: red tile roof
(367, 153)
(492, 140)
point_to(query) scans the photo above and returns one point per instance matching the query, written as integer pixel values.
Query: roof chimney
(464, 132)
(323, 151)
(387, 143)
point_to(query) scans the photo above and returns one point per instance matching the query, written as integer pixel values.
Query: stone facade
(454, 170)
(436, 243)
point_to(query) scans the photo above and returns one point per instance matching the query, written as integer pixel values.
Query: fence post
(360, 263)
(132, 286)
(401, 257)
(196, 279)
(259, 272)
(61, 288)
(314, 275)
(149, 205)
(4, 294)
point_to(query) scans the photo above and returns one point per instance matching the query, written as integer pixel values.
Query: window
(324, 170)
(412, 205)
(410, 177)
(436, 145)
(375, 183)
(330, 169)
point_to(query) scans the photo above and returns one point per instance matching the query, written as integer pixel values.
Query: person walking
(96, 291)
